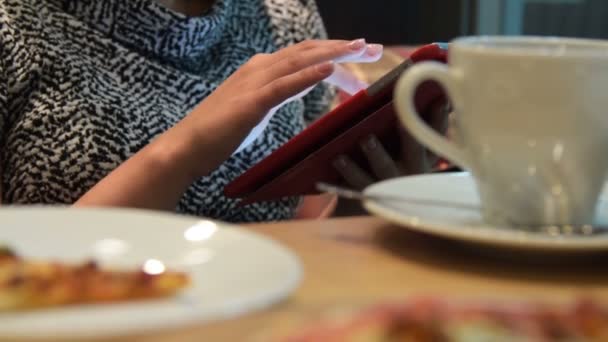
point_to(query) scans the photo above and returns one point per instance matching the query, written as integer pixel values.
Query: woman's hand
(157, 176)
(266, 82)
(413, 158)
(340, 77)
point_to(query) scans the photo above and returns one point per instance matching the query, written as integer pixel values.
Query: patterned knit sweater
(85, 84)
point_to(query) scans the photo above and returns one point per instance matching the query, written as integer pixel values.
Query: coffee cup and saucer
(530, 127)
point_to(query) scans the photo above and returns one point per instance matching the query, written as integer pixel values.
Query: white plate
(467, 224)
(233, 271)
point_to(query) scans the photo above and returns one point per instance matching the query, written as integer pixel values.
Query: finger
(439, 120)
(262, 61)
(366, 52)
(438, 116)
(308, 45)
(284, 88)
(296, 62)
(298, 56)
(382, 164)
(372, 53)
(345, 80)
(352, 173)
(413, 155)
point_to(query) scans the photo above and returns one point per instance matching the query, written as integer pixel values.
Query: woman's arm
(157, 176)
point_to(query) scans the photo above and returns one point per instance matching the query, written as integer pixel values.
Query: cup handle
(406, 110)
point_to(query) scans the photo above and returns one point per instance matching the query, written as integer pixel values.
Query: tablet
(296, 167)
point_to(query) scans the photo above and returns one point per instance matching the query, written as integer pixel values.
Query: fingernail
(325, 67)
(374, 49)
(371, 143)
(357, 44)
(340, 162)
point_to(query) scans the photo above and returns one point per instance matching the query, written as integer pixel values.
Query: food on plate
(434, 319)
(26, 284)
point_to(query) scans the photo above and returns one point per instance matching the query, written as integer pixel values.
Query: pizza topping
(467, 321)
(29, 284)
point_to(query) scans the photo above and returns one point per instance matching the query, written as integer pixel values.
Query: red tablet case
(296, 167)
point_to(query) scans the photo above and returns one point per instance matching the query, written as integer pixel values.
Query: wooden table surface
(352, 262)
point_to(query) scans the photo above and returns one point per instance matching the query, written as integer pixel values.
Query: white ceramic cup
(531, 124)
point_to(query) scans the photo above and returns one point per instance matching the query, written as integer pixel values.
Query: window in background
(397, 22)
(571, 18)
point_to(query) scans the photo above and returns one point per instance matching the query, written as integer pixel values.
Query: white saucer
(233, 271)
(467, 224)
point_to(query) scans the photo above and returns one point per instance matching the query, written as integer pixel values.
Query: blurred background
(413, 22)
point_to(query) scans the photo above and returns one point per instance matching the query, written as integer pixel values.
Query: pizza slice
(438, 320)
(26, 284)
